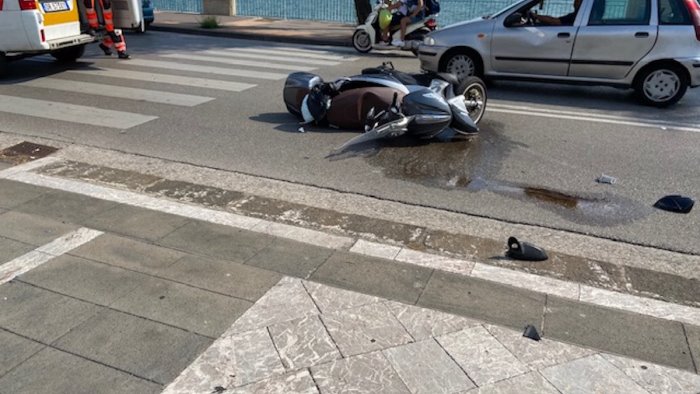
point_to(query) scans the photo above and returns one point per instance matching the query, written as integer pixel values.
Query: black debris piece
(524, 251)
(531, 332)
(675, 203)
(218, 389)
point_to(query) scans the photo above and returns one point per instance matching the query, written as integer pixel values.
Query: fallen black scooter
(387, 103)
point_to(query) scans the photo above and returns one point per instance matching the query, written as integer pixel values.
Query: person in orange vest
(112, 39)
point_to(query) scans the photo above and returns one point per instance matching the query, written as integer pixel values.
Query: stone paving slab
(262, 354)
(40, 314)
(10, 249)
(624, 333)
(592, 374)
(225, 277)
(423, 323)
(290, 258)
(182, 306)
(693, 335)
(402, 282)
(53, 371)
(128, 253)
(63, 206)
(15, 349)
(299, 382)
(426, 368)
(32, 229)
(93, 282)
(14, 193)
(136, 222)
(217, 241)
(483, 300)
(144, 348)
(303, 342)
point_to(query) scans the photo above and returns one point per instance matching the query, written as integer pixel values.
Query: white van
(30, 27)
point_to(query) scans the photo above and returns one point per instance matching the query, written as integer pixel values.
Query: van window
(674, 12)
(620, 12)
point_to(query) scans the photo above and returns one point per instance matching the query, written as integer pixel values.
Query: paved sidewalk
(278, 30)
(120, 281)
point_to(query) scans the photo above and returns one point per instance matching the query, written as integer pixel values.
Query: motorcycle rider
(111, 39)
(414, 13)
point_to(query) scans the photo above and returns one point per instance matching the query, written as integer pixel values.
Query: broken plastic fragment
(675, 203)
(301, 130)
(606, 179)
(531, 332)
(524, 251)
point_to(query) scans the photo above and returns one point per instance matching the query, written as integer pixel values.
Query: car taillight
(27, 5)
(694, 10)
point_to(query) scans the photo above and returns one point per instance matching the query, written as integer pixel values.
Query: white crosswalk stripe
(153, 96)
(206, 69)
(235, 53)
(71, 113)
(161, 73)
(311, 54)
(166, 79)
(238, 62)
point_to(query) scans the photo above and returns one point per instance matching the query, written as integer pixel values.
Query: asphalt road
(535, 161)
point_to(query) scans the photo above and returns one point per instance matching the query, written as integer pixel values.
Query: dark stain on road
(472, 163)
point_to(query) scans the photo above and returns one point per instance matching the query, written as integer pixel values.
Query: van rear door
(61, 18)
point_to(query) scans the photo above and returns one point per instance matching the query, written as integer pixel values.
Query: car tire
(462, 65)
(474, 91)
(661, 85)
(70, 54)
(361, 41)
(4, 65)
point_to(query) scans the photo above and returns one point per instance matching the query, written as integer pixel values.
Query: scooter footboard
(296, 87)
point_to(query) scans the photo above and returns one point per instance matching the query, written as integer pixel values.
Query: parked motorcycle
(368, 35)
(387, 103)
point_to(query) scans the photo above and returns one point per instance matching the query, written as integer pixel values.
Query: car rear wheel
(70, 54)
(473, 90)
(361, 41)
(661, 86)
(462, 65)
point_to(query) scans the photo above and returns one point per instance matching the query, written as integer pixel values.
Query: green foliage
(209, 22)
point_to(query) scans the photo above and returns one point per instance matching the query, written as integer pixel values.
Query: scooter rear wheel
(473, 89)
(361, 41)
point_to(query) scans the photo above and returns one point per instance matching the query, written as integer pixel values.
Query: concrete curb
(255, 36)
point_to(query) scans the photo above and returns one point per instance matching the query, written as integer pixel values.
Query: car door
(615, 36)
(534, 49)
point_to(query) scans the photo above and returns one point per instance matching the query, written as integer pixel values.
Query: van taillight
(27, 5)
(694, 9)
(43, 36)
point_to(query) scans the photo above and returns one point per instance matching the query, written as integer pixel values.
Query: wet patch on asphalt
(25, 152)
(473, 163)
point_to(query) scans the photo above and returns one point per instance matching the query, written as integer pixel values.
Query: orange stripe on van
(57, 18)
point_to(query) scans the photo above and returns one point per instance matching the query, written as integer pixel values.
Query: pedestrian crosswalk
(179, 79)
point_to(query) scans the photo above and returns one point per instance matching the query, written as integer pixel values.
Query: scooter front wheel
(473, 89)
(361, 41)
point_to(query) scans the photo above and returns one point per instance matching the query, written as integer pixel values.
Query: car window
(674, 12)
(555, 8)
(620, 12)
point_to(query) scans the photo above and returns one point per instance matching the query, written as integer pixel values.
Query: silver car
(652, 46)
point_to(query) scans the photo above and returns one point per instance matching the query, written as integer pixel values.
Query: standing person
(414, 14)
(112, 38)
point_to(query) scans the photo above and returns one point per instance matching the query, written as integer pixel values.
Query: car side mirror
(513, 19)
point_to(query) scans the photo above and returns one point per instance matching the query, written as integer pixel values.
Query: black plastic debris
(531, 332)
(524, 251)
(675, 203)
(218, 389)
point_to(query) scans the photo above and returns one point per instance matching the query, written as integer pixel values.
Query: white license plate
(55, 6)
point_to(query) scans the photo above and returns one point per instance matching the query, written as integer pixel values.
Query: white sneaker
(397, 43)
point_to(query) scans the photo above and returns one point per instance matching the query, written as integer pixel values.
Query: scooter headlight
(429, 41)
